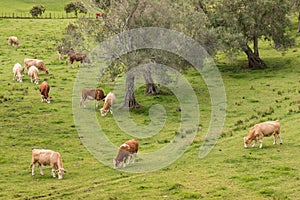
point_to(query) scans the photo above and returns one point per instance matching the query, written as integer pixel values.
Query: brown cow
(79, 57)
(91, 94)
(47, 157)
(126, 152)
(13, 41)
(38, 63)
(99, 14)
(44, 90)
(110, 100)
(264, 129)
(17, 70)
(33, 73)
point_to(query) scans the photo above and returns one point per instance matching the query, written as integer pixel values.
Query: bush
(37, 10)
(76, 7)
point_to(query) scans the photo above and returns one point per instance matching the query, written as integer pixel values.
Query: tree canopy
(37, 10)
(76, 7)
(218, 25)
(241, 24)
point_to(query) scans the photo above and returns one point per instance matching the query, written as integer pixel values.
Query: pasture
(228, 172)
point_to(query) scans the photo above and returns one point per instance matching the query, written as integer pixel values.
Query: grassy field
(22, 7)
(228, 172)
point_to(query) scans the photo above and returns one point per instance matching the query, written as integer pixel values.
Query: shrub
(76, 7)
(37, 10)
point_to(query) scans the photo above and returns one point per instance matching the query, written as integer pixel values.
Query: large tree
(241, 24)
(121, 16)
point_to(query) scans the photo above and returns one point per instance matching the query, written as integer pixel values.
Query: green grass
(22, 7)
(228, 172)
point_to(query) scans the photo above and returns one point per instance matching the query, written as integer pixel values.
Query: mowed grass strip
(228, 172)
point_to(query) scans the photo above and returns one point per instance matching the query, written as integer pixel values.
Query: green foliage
(240, 23)
(228, 172)
(37, 10)
(76, 7)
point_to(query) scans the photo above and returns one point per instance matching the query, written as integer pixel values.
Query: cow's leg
(97, 104)
(280, 138)
(253, 145)
(133, 157)
(40, 167)
(128, 159)
(274, 139)
(124, 161)
(110, 110)
(82, 100)
(53, 172)
(42, 96)
(32, 168)
(260, 143)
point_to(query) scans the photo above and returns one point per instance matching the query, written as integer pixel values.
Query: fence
(43, 16)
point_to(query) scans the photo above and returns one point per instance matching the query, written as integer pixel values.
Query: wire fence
(4, 15)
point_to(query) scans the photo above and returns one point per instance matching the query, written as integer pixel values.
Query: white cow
(17, 70)
(33, 73)
(110, 100)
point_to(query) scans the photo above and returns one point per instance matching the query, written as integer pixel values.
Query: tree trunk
(254, 61)
(255, 45)
(299, 22)
(150, 85)
(129, 100)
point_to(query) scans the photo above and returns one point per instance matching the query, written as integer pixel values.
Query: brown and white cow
(79, 57)
(91, 94)
(33, 73)
(35, 62)
(109, 101)
(264, 129)
(17, 70)
(13, 41)
(47, 157)
(126, 153)
(44, 90)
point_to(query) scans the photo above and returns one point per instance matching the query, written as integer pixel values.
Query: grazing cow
(44, 90)
(13, 41)
(35, 62)
(91, 94)
(264, 129)
(17, 70)
(109, 101)
(79, 57)
(99, 14)
(33, 73)
(47, 157)
(126, 152)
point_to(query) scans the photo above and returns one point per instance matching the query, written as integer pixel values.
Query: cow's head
(36, 81)
(103, 112)
(61, 172)
(116, 163)
(48, 99)
(247, 142)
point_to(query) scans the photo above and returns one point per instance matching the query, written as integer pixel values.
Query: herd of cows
(128, 150)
